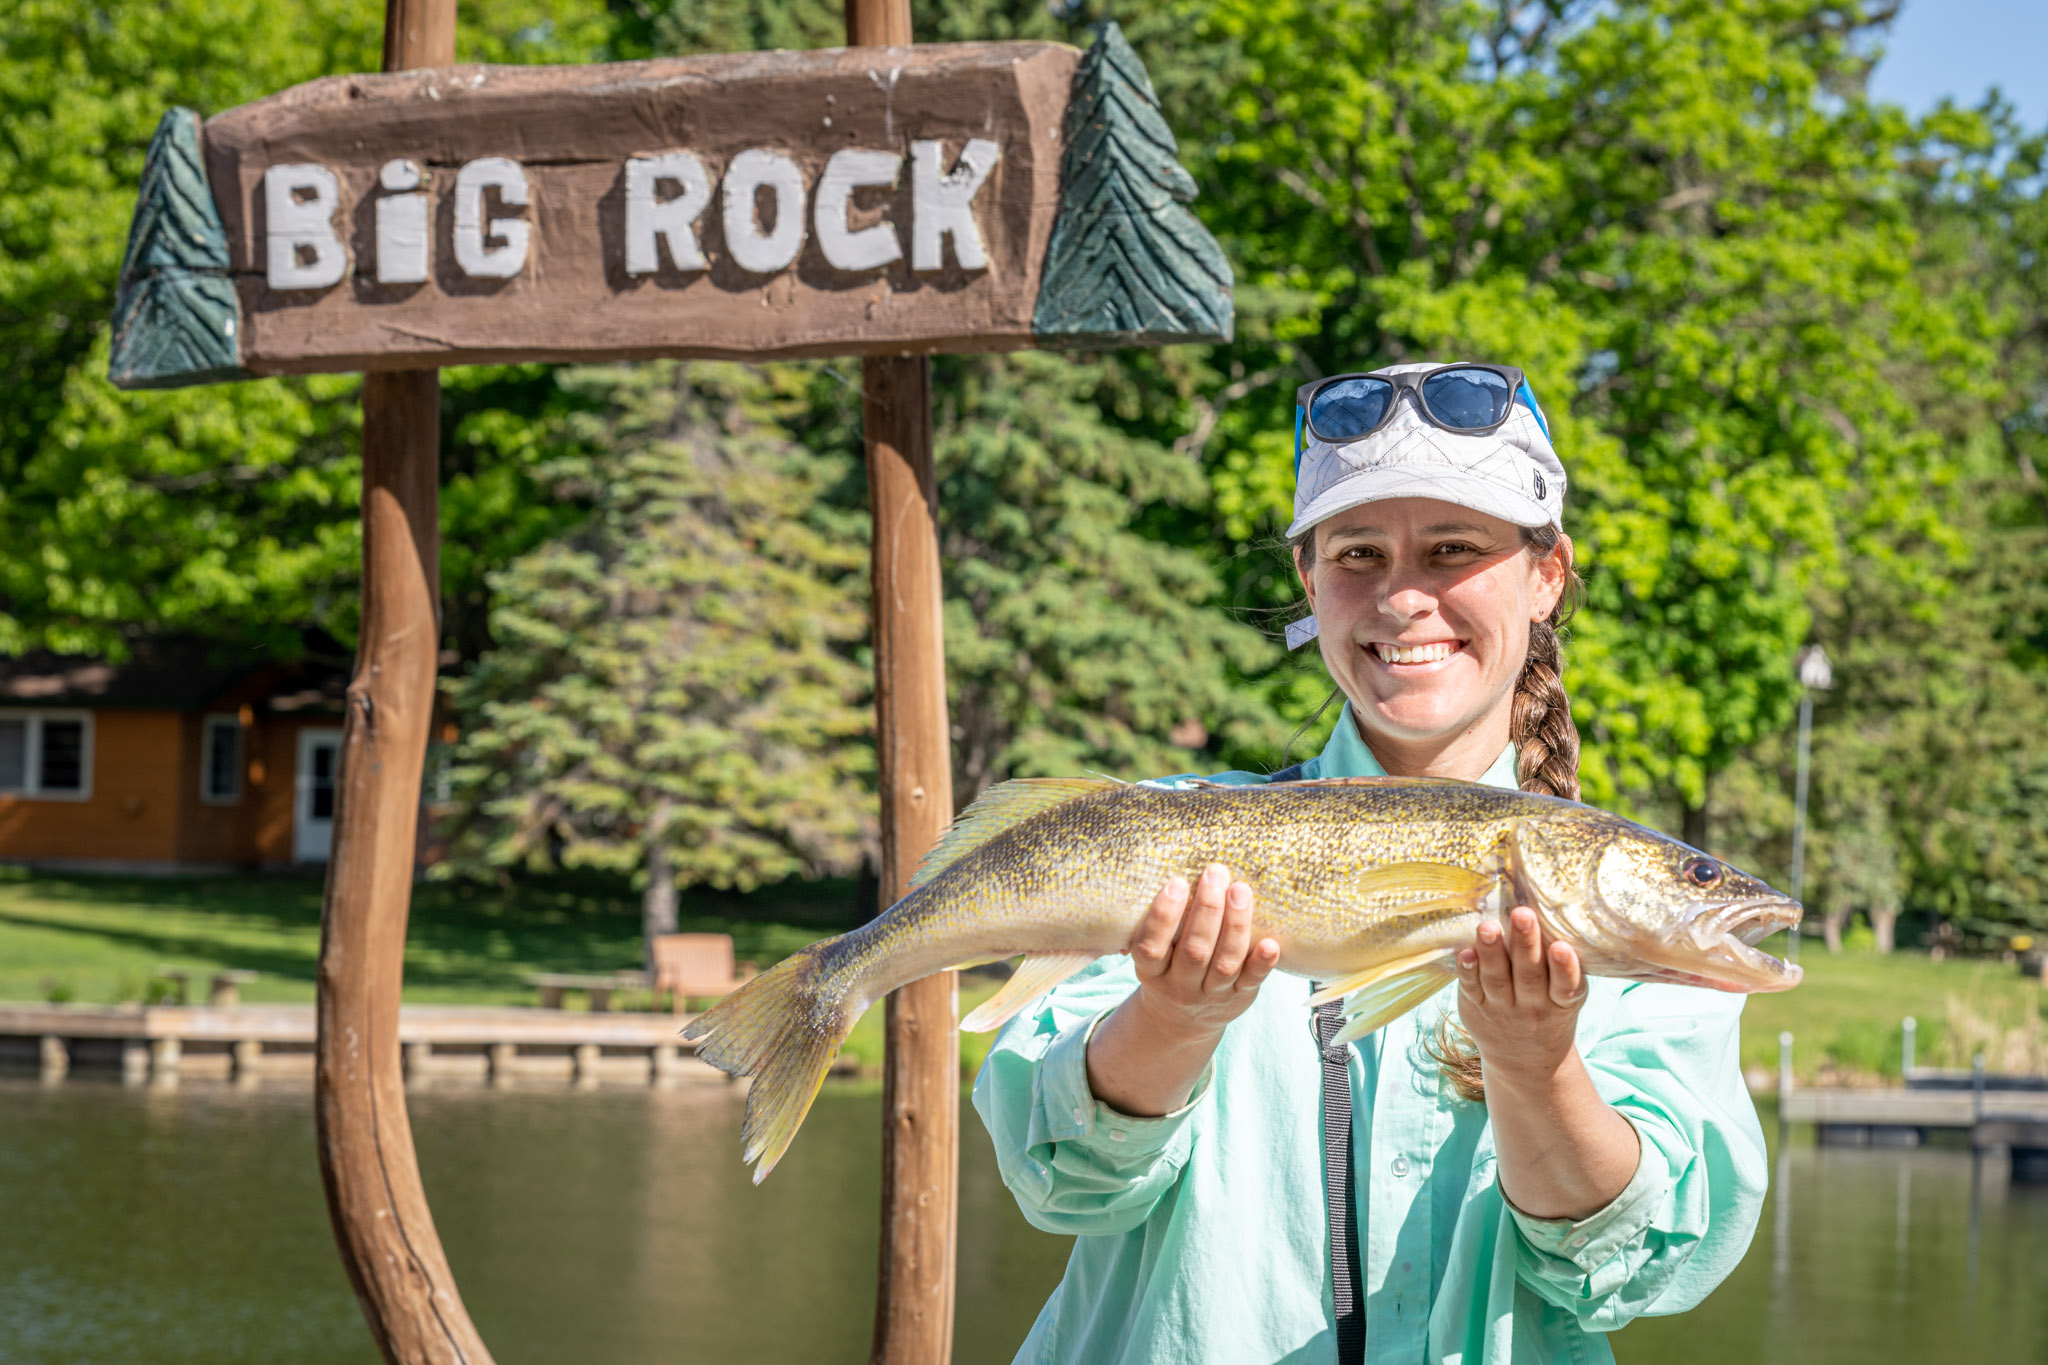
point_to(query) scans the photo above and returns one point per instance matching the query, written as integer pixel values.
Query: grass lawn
(1846, 1016)
(97, 939)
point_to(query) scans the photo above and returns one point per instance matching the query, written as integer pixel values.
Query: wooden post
(381, 1221)
(921, 1078)
(921, 1070)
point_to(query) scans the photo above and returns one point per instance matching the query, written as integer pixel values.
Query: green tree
(229, 509)
(670, 694)
(1075, 640)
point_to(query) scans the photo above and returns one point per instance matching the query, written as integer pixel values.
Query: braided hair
(1546, 758)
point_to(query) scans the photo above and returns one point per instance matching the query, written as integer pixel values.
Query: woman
(1521, 1165)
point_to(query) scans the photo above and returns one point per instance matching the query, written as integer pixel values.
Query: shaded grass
(98, 939)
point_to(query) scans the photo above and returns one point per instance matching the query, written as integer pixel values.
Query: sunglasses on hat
(1466, 398)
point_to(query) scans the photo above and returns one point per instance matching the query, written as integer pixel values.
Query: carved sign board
(981, 196)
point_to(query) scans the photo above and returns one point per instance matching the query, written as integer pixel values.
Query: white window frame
(32, 755)
(206, 728)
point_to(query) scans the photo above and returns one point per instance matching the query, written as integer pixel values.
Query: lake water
(187, 1225)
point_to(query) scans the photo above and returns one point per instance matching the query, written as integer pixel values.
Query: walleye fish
(1369, 884)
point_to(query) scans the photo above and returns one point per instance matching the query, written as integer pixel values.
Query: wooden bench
(600, 988)
(697, 967)
(225, 990)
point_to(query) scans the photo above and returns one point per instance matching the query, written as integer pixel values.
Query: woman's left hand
(1520, 1000)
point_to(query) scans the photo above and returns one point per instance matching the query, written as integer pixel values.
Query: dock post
(501, 1063)
(248, 1055)
(134, 1062)
(1977, 1089)
(1908, 1040)
(662, 1064)
(416, 1055)
(586, 1065)
(56, 1058)
(164, 1056)
(1784, 1086)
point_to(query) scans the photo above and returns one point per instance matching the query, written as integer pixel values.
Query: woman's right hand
(1198, 969)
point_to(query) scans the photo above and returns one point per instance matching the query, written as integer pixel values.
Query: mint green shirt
(1200, 1236)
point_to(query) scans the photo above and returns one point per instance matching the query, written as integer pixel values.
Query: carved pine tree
(1128, 264)
(175, 312)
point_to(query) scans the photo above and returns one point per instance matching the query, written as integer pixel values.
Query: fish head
(1639, 904)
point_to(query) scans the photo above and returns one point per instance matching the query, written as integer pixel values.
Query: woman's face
(1423, 609)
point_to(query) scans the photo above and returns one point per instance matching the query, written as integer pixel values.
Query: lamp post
(1815, 675)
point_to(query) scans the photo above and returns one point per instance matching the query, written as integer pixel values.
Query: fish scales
(1369, 884)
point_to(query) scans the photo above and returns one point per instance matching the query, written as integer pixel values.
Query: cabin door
(313, 795)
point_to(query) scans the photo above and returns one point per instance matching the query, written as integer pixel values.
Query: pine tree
(1077, 640)
(671, 691)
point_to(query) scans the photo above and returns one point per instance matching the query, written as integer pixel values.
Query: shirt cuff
(1593, 1240)
(1073, 1114)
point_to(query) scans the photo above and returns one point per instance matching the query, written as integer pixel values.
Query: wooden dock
(1997, 1120)
(160, 1043)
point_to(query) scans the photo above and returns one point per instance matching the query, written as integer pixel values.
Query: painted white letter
(943, 204)
(401, 225)
(649, 220)
(302, 250)
(751, 250)
(471, 234)
(847, 171)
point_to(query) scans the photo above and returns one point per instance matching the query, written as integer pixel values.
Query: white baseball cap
(1510, 472)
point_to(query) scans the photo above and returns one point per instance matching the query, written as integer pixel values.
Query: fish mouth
(1728, 935)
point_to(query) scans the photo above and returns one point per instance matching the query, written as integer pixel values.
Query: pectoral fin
(1034, 976)
(1437, 881)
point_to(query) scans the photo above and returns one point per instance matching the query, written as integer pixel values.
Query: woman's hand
(1564, 1151)
(1519, 1000)
(1198, 969)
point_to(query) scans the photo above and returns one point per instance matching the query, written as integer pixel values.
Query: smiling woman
(1523, 1164)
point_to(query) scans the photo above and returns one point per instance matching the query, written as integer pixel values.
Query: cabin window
(46, 754)
(220, 773)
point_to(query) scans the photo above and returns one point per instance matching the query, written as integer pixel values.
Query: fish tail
(783, 1029)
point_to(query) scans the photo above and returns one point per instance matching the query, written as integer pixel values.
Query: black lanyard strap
(1343, 1204)
(1345, 1293)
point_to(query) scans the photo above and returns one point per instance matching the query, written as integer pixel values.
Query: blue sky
(1963, 47)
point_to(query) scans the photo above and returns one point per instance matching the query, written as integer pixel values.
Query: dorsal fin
(998, 808)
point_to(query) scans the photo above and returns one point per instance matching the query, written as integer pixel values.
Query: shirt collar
(1346, 755)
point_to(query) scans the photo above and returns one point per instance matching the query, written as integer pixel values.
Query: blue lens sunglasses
(1466, 398)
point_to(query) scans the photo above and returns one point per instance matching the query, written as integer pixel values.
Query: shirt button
(1400, 1165)
(1079, 1115)
(1116, 1135)
(1579, 1240)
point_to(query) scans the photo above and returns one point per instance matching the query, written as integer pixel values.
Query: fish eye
(1703, 873)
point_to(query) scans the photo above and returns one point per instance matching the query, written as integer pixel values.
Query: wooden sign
(977, 196)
